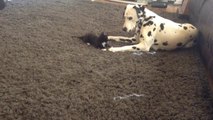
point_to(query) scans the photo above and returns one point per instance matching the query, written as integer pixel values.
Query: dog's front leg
(138, 47)
(144, 45)
(123, 39)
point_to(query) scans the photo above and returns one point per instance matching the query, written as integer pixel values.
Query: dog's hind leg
(123, 39)
(189, 44)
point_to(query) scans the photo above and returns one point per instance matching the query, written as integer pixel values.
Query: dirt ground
(47, 74)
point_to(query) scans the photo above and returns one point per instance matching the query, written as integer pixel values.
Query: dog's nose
(124, 29)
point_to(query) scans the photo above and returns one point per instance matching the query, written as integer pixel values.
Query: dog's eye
(130, 18)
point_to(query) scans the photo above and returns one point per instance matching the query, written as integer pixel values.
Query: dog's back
(171, 35)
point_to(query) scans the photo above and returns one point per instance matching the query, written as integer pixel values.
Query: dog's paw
(108, 49)
(112, 49)
(111, 37)
(104, 49)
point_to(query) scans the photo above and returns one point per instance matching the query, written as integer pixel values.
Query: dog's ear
(137, 9)
(142, 8)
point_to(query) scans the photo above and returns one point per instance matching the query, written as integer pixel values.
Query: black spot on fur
(185, 28)
(180, 25)
(134, 48)
(133, 39)
(149, 33)
(148, 23)
(156, 44)
(143, 16)
(126, 40)
(138, 48)
(150, 17)
(179, 44)
(154, 24)
(165, 43)
(130, 18)
(141, 36)
(162, 26)
(155, 40)
(140, 23)
(154, 29)
(138, 31)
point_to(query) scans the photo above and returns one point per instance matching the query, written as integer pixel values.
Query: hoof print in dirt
(99, 42)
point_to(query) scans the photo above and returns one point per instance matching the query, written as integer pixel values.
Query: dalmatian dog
(153, 32)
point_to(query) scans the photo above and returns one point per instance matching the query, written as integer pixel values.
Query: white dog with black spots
(153, 31)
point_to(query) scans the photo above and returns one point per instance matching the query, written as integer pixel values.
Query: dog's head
(131, 16)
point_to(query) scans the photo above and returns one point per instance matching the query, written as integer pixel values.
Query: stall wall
(201, 14)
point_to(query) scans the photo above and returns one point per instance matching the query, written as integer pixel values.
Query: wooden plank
(119, 2)
(127, 2)
(184, 8)
(169, 9)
